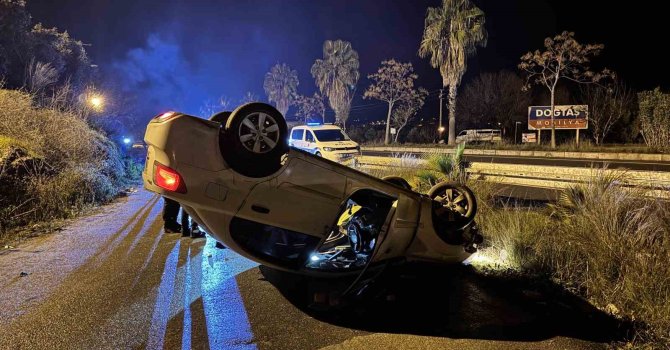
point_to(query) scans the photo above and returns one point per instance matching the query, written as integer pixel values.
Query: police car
(324, 140)
(293, 210)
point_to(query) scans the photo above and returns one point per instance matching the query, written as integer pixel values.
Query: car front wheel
(454, 206)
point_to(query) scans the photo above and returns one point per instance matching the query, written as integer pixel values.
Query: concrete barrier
(655, 183)
(645, 157)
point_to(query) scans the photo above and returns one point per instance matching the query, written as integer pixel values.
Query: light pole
(515, 125)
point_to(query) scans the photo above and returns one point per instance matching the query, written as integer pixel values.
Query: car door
(310, 142)
(305, 198)
(296, 139)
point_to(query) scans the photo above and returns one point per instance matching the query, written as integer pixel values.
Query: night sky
(176, 54)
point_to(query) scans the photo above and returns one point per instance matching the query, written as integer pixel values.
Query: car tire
(254, 140)
(318, 154)
(221, 117)
(454, 206)
(398, 181)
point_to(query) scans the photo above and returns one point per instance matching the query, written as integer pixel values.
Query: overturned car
(290, 210)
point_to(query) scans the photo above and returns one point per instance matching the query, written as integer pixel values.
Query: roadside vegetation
(56, 158)
(599, 240)
(53, 164)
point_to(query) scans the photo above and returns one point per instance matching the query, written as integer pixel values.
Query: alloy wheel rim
(259, 133)
(453, 201)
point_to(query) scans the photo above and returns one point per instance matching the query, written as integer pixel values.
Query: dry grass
(607, 244)
(52, 163)
(600, 241)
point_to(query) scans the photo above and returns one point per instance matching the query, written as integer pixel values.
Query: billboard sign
(565, 117)
(529, 137)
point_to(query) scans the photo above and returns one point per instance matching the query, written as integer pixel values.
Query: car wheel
(454, 205)
(398, 181)
(254, 140)
(221, 117)
(318, 154)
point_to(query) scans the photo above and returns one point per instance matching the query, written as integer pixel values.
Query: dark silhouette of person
(188, 227)
(170, 213)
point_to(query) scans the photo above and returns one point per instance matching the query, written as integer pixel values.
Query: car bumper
(340, 156)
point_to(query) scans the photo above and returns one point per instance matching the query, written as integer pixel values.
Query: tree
(64, 53)
(311, 106)
(451, 34)
(21, 47)
(407, 110)
(563, 59)
(492, 99)
(248, 98)
(607, 105)
(211, 107)
(15, 51)
(281, 84)
(655, 118)
(336, 75)
(393, 83)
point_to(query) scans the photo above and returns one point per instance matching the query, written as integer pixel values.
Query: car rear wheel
(454, 206)
(398, 181)
(254, 140)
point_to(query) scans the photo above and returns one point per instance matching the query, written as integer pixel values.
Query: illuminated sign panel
(565, 117)
(529, 137)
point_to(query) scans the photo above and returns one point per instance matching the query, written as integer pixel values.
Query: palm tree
(452, 32)
(281, 84)
(336, 76)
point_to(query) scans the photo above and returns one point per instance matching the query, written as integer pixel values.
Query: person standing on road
(170, 213)
(187, 228)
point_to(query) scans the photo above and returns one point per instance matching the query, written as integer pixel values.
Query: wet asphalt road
(114, 280)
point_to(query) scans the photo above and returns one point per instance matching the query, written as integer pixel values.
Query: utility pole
(440, 129)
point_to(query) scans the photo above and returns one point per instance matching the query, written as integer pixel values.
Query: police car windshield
(330, 135)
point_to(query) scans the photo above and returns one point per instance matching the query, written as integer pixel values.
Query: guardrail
(646, 157)
(655, 183)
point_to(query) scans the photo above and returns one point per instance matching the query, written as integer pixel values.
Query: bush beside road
(607, 245)
(53, 164)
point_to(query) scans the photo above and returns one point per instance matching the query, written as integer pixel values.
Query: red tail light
(165, 117)
(168, 179)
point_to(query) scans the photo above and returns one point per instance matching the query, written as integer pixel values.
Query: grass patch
(607, 244)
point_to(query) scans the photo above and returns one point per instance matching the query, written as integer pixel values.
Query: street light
(440, 131)
(97, 102)
(126, 140)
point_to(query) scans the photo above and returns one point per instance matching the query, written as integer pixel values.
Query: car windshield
(330, 135)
